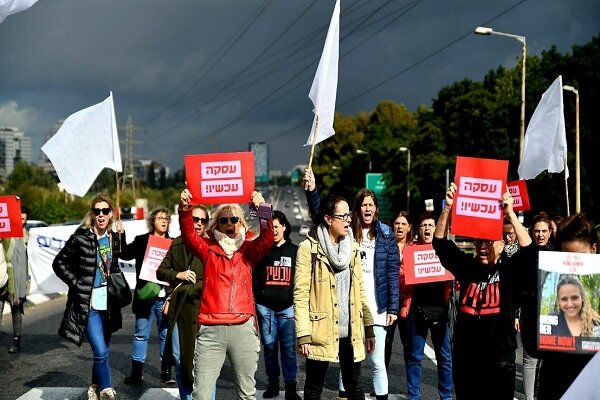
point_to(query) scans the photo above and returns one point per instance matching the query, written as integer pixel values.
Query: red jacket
(227, 296)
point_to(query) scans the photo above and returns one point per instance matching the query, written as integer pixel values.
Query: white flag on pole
(324, 87)
(545, 145)
(86, 143)
(9, 7)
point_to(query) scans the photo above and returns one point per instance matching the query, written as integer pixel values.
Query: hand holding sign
(450, 193)
(507, 202)
(185, 198)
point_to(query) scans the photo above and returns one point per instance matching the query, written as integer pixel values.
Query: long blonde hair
(589, 316)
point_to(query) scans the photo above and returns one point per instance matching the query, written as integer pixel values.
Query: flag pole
(567, 190)
(313, 144)
(118, 196)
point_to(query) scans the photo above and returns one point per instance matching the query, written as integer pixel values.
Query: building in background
(14, 147)
(261, 161)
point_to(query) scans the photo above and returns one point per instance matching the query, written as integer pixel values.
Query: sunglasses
(104, 211)
(224, 220)
(198, 219)
(479, 242)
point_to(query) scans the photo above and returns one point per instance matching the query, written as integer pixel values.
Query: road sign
(375, 182)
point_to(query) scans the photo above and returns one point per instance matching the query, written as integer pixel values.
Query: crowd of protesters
(338, 296)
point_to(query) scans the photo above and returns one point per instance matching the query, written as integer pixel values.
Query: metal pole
(522, 121)
(408, 183)
(577, 159)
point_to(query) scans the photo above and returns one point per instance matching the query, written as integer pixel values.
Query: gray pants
(241, 346)
(529, 373)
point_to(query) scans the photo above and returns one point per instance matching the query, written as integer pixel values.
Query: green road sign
(375, 182)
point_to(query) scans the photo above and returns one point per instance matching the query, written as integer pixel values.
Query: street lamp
(403, 149)
(482, 30)
(359, 151)
(569, 88)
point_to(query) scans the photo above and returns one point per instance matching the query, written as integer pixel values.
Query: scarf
(338, 254)
(228, 244)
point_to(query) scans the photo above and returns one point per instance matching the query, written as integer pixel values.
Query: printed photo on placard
(568, 302)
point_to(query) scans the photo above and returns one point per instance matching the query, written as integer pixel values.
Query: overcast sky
(211, 76)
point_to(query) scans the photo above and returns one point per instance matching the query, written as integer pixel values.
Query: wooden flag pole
(567, 190)
(312, 148)
(118, 200)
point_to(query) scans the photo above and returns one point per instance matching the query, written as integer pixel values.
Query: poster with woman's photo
(569, 301)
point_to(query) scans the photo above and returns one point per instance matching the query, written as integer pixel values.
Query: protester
(428, 310)
(380, 265)
(576, 317)
(576, 234)
(273, 286)
(148, 300)
(227, 314)
(83, 264)
(543, 239)
(511, 244)
(185, 273)
(15, 255)
(403, 232)
(333, 321)
(485, 341)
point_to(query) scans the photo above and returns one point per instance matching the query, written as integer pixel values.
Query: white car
(298, 216)
(303, 231)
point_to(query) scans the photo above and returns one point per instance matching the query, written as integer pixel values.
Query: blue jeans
(416, 334)
(98, 334)
(143, 326)
(278, 327)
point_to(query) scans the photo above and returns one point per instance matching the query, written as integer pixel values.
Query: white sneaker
(108, 394)
(92, 392)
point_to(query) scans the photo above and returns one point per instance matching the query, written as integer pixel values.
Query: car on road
(34, 223)
(303, 231)
(287, 204)
(298, 216)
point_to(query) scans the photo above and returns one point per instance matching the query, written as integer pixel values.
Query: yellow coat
(315, 304)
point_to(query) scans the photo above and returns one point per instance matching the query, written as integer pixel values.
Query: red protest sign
(10, 217)
(518, 191)
(422, 265)
(155, 252)
(220, 178)
(477, 211)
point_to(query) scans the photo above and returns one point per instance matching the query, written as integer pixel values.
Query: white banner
(45, 243)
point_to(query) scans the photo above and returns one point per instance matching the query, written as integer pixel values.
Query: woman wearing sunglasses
(147, 307)
(83, 264)
(333, 321)
(485, 343)
(227, 315)
(184, 272)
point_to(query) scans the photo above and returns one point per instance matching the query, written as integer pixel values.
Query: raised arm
(442, 224)
(312, 194)
(522, 235)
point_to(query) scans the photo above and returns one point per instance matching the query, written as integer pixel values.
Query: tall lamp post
(403, 149)
(569, 88)
(359, 151)
(482, 30)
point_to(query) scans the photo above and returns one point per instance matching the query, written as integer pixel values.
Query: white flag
(324, 87)
(9, 7)
(86, 143)
(545, 145)
(586, 386)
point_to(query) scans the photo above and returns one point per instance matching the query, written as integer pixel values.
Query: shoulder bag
(119, 292)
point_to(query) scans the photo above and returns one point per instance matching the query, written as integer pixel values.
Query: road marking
(66, 393)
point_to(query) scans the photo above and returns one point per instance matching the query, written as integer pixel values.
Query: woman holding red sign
(227, 313)
(485, 342)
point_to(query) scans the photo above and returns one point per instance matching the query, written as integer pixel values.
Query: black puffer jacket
(75, 265)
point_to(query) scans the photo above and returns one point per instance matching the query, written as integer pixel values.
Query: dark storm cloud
(204, 76)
